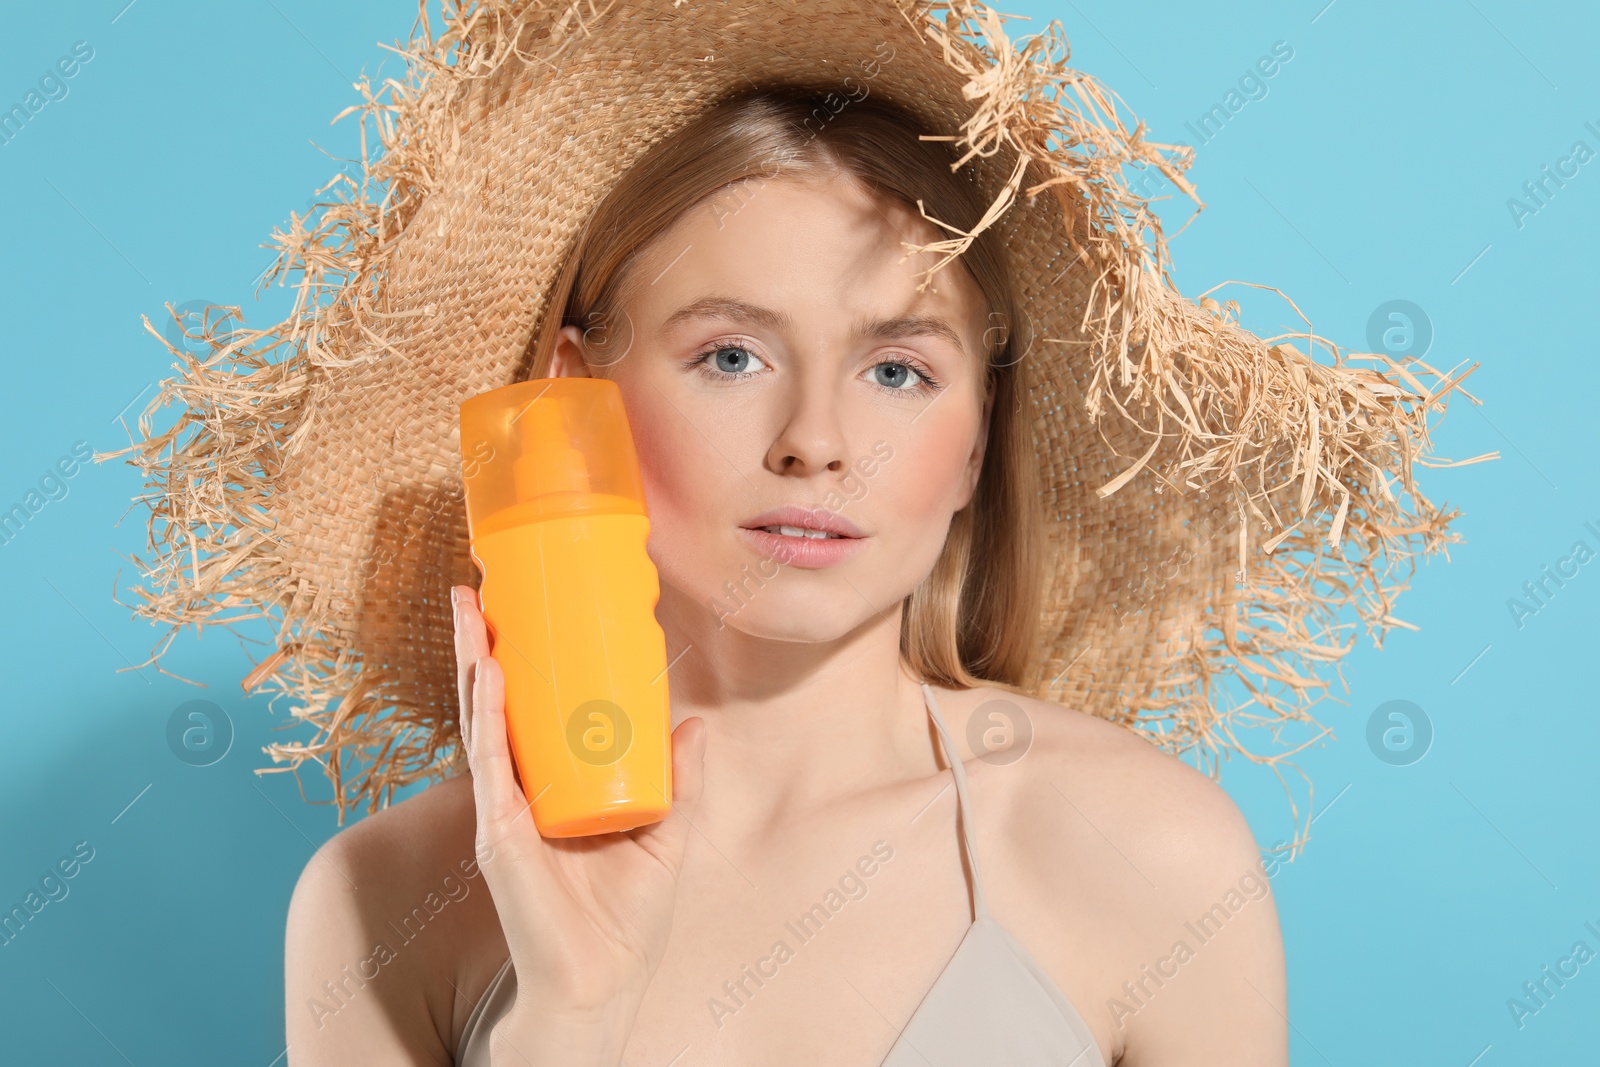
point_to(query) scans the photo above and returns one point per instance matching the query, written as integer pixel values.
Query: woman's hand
(586, 918)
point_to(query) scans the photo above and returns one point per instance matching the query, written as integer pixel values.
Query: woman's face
(773, 353)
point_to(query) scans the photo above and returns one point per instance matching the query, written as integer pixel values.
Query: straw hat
(1214, 498)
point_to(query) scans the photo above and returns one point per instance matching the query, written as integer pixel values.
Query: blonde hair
(974, 619)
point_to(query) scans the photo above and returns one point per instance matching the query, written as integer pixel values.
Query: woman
(771, 345)
(927, 436)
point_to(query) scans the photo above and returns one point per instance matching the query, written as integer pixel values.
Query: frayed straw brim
(1216, 499)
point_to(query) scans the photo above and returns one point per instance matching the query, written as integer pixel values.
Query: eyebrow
(878, 329)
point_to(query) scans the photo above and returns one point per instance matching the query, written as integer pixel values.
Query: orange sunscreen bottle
(555, 507)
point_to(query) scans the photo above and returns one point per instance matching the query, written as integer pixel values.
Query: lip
(807, 519)
(805, 552)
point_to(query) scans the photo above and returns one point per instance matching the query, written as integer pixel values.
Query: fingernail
(455, 596)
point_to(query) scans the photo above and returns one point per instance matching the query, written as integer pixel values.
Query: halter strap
(980, 907)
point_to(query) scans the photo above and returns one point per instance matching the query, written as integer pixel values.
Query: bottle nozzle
(548, 461)
(545, 448)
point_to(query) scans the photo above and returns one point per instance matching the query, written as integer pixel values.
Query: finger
(498, 797)
(688, 763)
(510, 852)
(472, 643)
(667, 838)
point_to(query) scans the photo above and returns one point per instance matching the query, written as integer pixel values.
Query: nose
(811, 440)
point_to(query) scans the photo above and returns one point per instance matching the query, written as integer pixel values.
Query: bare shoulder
(1107, 775)
(1126, 864)
(391, 932)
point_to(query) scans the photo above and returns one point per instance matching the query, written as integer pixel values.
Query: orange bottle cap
(547, 448)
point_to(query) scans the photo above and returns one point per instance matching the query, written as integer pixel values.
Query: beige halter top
(992, 1003)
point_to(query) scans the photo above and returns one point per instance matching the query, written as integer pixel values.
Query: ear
(975, 461)
(567, 359)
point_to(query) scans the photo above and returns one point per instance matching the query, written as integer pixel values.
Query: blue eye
(731, 359)
(895, 376)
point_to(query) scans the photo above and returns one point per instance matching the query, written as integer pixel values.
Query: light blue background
(1377, 167)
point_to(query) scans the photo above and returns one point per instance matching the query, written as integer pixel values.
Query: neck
(794, 725)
